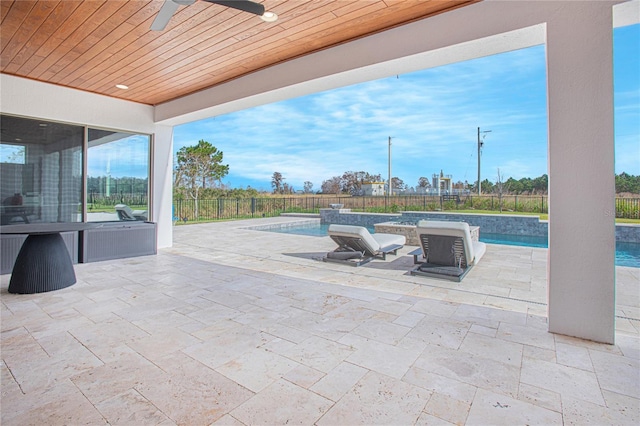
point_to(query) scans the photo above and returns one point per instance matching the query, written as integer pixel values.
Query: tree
(331, 186)
(308, 187)
(398, 184)
(277, 183)
(487, 186)
(195, 166)
(541, 184)
(423, 182)
(351, 182)
(627, 183)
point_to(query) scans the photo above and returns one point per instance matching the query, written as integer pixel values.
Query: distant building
(373, 188)
(442, 183)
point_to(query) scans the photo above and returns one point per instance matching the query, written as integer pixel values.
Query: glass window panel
(40, 171)
(117, 176)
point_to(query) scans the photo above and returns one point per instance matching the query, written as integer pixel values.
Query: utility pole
(480, 143)
(390, 183)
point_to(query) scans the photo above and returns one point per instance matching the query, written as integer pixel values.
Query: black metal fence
(242, 208)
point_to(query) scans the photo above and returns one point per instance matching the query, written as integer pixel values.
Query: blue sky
(432, 117)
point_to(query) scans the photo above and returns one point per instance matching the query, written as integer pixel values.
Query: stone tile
(131, 408)
(391, 360)
(448, 408)
(117, 377)
(429, 420)
(55, 405)
(155, 346)
(282, 403)
(409, 318)
(378, 399)
(540, 397)
(623, 407)
(485, 331)
(497, 409)
(435, 308)
(257, 369)
(526, 335)
(227, 420)
(617, 373)
(477, 371)
(381, 331)
(282, 331)
(442, 332)
(226, 347)
(191, 393)
(573, 356)
(339, 380)
(388, 306)
(326, 326)
(318, 353)
(622, 412)
(489, 317)
(539, 353)
(443, 385)
(492, 348)
(304, 376)
(567, 381)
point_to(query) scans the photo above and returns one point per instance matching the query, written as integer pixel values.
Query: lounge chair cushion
(356, 232)
(386, 240)
(374, 242)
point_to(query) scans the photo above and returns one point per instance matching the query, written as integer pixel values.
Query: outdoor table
(43, 263)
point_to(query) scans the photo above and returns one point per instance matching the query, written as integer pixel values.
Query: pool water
(627, 254)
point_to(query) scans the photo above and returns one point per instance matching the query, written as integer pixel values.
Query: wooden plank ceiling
(94, 45)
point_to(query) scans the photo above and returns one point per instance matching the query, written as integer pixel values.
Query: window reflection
(117, 176)
(40, 171)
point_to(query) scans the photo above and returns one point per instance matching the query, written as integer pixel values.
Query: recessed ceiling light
(42, 124)
(269, 17)
(18, 140)
(122, 86)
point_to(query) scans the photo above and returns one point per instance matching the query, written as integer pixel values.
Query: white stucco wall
(31, 98)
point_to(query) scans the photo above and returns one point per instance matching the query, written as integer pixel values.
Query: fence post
(516, 204)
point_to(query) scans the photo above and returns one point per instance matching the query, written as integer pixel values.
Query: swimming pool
(627, 254)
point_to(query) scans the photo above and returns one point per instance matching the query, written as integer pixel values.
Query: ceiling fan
(170, 6)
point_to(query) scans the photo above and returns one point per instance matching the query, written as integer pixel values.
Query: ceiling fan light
(269, 17)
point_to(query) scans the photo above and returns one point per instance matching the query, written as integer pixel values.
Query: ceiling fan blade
(244, 5)
(164, 15)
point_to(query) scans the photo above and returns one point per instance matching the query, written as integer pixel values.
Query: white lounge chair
(125, 213)
(447, 249)
(356, 246)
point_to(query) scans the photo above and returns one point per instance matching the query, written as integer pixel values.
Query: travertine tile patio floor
(237, 326)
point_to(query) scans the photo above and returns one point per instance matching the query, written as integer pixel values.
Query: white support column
(163, 184)
(581, 271)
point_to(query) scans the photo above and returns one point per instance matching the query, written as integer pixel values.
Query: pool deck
(236, 326)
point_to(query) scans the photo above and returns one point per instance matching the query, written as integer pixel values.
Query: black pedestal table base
(43, 264)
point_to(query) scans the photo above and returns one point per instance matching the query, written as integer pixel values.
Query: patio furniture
(43, 263)
(447, 249)
(125, 213)
(356, 246)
